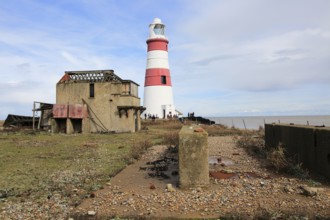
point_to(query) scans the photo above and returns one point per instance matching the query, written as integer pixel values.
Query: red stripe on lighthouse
(157, 44)
(157, 77)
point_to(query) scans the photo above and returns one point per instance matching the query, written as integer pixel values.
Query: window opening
(91, 90)
(159, 29)
(163, 78)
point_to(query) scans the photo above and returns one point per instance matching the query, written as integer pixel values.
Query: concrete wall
(310, 145)
(193, 157)
(103, 107)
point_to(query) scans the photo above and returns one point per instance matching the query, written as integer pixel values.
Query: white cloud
(226, 57)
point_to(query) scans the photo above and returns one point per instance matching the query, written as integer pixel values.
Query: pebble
(170, 188)
(309, 191)
(91, 213)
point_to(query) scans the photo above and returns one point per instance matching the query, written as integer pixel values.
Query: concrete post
(69, 126)
(54, 126)
(193, 157)
(86, 125)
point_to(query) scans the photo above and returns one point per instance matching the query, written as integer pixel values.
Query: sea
(254, 122)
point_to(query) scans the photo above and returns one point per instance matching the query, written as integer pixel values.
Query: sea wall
(308, 144)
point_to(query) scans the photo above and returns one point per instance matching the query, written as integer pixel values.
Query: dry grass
(139, 148)
(173, 124)
(36, 166)
(171, 139)
(221, 130)
(277, 158)
(253, 142)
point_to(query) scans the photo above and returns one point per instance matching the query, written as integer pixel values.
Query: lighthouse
(158, 95)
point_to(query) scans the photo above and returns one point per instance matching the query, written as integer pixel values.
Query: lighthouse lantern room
(158, 95)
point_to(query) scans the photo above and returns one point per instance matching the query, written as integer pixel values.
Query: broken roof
(90, 76)
(19, 120)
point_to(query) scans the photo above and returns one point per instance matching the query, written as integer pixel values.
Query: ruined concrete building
(96, 101)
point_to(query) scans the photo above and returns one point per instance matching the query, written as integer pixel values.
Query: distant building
(96, 101)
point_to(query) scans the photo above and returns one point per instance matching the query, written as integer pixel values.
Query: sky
(226, 57)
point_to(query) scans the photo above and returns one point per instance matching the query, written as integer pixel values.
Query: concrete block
(193, 157)
(307, 144)
(269, 138)
(306, 147)
(322, 142)
(277, 135)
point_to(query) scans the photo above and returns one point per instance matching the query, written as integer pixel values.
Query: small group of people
(154, 117)
(149, 116)
(191, 115)
(170, 116)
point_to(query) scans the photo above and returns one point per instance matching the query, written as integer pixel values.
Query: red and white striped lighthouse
(158, 95)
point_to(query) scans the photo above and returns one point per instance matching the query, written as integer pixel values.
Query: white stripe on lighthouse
(157, 59)
(161, 54)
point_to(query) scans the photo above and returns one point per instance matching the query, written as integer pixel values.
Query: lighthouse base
(158, 101)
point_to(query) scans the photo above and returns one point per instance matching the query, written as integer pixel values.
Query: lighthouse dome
(157, 21)
(157, 29)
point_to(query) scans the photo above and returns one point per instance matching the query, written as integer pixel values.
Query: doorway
(77, 125)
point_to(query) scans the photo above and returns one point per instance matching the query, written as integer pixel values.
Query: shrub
(297, 171)
(162, 124)
(139, 148)
(253, 144)
(277, 158)
(171, 138)
(221, 130)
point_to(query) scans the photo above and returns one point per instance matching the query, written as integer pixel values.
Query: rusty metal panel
(60, 111)
(77, 111)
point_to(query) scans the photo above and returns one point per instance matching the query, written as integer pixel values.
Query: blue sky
(227, 58)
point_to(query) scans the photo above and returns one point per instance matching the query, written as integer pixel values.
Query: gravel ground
(252, 192)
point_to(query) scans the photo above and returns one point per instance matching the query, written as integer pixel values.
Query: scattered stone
(228, 171)
(309, 191)
(198, 130)
(170, 188)
(3, 195)
(152, 186)
(91, 213)
(288, 189)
